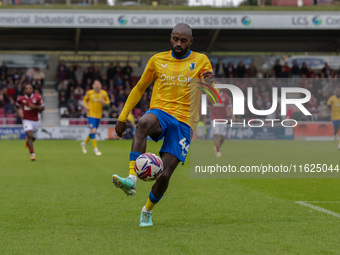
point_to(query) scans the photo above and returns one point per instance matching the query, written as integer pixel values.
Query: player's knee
(142, 126)
(93, 130)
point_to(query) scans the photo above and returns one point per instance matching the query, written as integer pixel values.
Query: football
(148, 167)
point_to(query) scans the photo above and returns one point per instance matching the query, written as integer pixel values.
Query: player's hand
(87, 108)
(102, 101)
(208, 77)
(120, 128)
(32, 106)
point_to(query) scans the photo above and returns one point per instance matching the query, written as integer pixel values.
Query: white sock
(95, 149)
(146, 211)
(133, 177)
(32, 154)
(83, 143)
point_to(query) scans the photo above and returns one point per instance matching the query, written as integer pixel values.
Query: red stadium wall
(291, 2)
(314, 129)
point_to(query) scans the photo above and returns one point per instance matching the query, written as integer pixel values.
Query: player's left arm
(18, 109)
(207, 72)
(106, 100)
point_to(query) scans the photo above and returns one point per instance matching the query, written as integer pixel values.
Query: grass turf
(64, 203)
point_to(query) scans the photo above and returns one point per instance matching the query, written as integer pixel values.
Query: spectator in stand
(326, 70)
(285, 70)
(277, 68)
(310, 73)
(78, 91)
(118, 69)
(38, 77)
(113, 100)
(230, 70)
(29, 74)
(290, 112)
(127, 89)
(78, 74)
(62, 102)
(312, 105)
(61, 64)
(3, 68)
(304, 69)
(2, 99)
(73, 113)
(71, 74)
(127, 70)
(251, 71)
(9, 107)
(295, 73)
(220, 69)
(88, 83)
(72, 102)
(3, 84)
(19, 91)
(91, 70)
(61, 76)
(121, 98)
(10, 89)
(111, 72)
(259, 74)
(111, 87)
(118, 81)
(104, 80)
(267, 75)
(241, 70)
(323, 112)
(96, 73)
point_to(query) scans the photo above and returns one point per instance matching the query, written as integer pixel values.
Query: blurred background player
(219, 111)
(28, 108)
(94, 100)
(169, 114)
(334, 104)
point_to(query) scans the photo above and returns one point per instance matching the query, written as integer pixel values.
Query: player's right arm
(17, 108)
(135, 95)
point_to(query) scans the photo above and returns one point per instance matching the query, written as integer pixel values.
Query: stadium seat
(2, 111)
(2, 115)
(82, 122)
(73, 122)
(10, 116)
(105, 122)
(10, 122)
(2, 122)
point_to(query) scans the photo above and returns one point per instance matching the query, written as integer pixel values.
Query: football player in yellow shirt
(334, 104)
(94, 101)
(169, 114)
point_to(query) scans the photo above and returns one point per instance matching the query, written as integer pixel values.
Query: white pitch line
(320, 209)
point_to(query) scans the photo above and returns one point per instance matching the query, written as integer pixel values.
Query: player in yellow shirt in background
(94, 101)
(334, 104)
(169, 115)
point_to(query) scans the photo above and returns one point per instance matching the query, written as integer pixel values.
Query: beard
(180, 53)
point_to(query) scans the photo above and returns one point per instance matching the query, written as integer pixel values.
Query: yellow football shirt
(171, 92)
(334, 102)
(93, 101)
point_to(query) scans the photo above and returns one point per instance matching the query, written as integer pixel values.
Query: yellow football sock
(132, 167)
(94, 143)
(87, 139)
(149, 205)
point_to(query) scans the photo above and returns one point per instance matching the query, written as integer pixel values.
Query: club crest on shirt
(191, 66)
(34, 101)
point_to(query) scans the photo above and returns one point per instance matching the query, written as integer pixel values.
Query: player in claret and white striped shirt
(28, 107)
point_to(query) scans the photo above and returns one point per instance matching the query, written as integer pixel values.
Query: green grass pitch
(65, 203)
